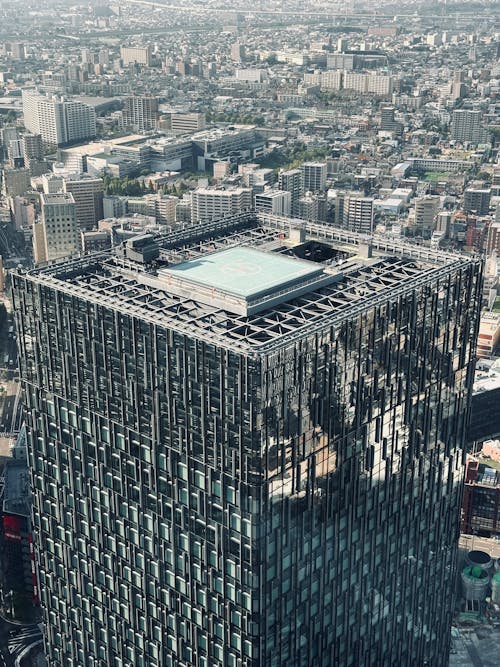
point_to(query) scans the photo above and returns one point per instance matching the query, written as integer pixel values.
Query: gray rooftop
(357, 277)
(243, 280)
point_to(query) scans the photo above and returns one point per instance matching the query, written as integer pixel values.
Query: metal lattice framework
(112, 281)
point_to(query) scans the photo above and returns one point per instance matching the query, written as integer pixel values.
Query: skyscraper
(243, 458)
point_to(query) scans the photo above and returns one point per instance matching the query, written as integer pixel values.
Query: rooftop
(356, 276)
(242, 279)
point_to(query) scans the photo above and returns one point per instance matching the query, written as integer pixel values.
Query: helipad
(244, 280)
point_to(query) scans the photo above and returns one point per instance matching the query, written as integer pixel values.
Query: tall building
(15, 182)
(33, 154)
(243, 458)
(387, 120)
(426, 209)
(238, 53)
(209, 203)
(140, 55)
(88, 194)
(466, 126)
(273, 201)
(313, 176)
(291, 181)
(57, 234)
(477, 200)
(140, 113)
(58, 120)
(357, 214)
(32, 148)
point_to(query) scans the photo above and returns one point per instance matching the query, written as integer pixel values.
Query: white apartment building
(358, 214)
(313, 176)
(210, 204)
(58, 120)
(274, 201)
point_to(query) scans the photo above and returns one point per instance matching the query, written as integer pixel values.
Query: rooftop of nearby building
(353, 274)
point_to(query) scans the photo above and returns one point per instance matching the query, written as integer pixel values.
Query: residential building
(357, 214)
(493, 238)
(313, 176)
(466, 125)
(56, 234)
(291, 180)
(238, 53)
(426, 209)
(140, 113)
(274, 201)
(477, 200)
(211, 203)
(58, 120)
(241, 457)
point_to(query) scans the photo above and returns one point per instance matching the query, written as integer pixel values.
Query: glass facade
(203, 502)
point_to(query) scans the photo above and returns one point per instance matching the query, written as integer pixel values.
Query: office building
(357, 213)
(56, 235)
(88, 194)
(140, 113)
(185, 122)
(313, 176)
(291, 181)
(240, 457)
(58, 120)
(136, 55)
(210, 203)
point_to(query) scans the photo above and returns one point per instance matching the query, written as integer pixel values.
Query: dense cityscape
(249, 334)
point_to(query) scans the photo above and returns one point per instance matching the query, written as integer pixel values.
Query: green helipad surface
(245, 272)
